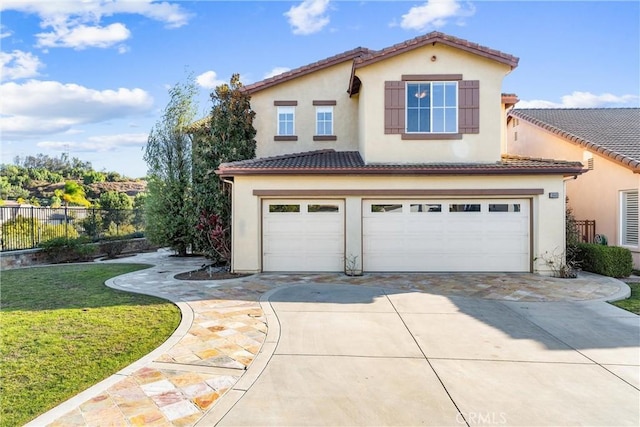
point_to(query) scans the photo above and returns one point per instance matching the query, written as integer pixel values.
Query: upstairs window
(324, 120)
(286, 121)
(432, 107)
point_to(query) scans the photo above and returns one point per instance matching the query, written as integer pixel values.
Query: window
(396, 208)
(629, 218)
(286, 117)
(324, 120)
(284, 208)
(323, 208)
(464, 208)
(432, 107)
(504, 207)
(436, 207)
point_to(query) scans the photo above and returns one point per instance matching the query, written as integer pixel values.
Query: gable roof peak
(432, 38)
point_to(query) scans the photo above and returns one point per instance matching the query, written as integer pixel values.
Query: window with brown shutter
(394, 109)
(468, 110)
(469, 106)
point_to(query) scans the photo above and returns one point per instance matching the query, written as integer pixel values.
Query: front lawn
(632, 303)
(62, 331)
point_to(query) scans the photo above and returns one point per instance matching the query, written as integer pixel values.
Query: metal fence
(26, 227)
(587, 230)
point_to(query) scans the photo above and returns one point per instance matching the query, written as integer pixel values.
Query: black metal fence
(587, 230)
(26, 227)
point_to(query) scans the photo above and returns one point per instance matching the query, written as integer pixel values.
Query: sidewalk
(223, 329)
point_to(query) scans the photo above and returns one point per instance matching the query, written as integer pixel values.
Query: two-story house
(392, 160)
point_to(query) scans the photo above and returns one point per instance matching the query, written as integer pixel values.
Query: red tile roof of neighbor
(612, 132)
(362, 57)
(350, 162)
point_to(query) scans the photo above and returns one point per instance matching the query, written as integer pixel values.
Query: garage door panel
(311, 239)
(458, 238)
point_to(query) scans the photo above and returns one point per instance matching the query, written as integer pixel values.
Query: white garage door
(303, 235)
(446, 235)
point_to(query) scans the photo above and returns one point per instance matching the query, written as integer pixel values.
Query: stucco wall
(548, 218)
(328, 84)
(593, 195)
(376, 147)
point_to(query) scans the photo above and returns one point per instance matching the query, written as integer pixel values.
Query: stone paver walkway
(223, 329)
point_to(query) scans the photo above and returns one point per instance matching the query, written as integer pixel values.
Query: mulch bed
(205, 275)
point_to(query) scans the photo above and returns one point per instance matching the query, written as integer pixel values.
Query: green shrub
(113, 248)
(63, 249)
(612, 261)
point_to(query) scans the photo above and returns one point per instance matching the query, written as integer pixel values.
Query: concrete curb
(257, 367)
(624, 289)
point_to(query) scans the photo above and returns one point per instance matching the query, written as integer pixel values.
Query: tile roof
(436, 37)
(613, 132)
(306, 69)
(362, 56)
(350, 162)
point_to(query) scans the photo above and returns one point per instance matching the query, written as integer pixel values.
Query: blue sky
(91, 77)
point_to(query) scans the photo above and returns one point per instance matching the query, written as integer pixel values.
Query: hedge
(612, 261)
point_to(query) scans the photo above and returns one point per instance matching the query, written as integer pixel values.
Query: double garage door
(400, 235)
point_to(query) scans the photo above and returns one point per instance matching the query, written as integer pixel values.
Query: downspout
(230, 182)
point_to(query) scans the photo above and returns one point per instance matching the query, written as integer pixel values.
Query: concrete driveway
(354, 355)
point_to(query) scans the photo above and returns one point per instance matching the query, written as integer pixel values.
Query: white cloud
(435, 14)
(77, 24)
(102, 143)
(44, 107)
(209, 80)
(18, 65)
(308, 17)
(4, 32)
(83, 36)
(583, 100)
(276, 71)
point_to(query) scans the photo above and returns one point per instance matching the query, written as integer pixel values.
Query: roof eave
(434, 38)
(625, 161)
(568, 171)
(304, 70)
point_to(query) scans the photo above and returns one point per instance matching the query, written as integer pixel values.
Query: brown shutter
(469, 106)
(394, 100)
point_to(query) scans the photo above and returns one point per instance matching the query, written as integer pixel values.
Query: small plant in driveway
(351, 265)
(562, 264)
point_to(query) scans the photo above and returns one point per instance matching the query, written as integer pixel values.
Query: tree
(73, 194)
(227, 137)
(168, 208)
(117, 208)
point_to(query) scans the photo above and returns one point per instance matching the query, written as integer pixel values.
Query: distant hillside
(43, 190)
(35, 179)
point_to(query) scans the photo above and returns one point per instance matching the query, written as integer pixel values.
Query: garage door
(446, 235)
(303, 235)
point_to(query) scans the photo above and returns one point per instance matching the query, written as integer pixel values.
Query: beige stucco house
(607, 141)
(392, 160)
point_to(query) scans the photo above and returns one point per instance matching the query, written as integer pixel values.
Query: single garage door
(303, 235)
(446, 235)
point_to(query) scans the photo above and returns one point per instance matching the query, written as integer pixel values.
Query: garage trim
(401, 193)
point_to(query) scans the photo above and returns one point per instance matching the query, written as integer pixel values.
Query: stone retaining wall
(27, 257)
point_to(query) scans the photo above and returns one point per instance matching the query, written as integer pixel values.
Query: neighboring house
(392, 160)
(607, 141)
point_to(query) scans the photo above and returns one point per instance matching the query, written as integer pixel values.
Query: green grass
(632, 303)
(62, 330)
